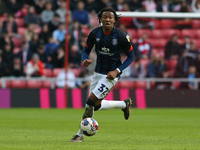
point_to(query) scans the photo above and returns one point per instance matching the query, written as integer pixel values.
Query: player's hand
(87, 62)
(112, 74)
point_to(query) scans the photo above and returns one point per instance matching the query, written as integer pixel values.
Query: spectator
(75, 33)
(44, 57)
(118, 5)
(90, 6)
(35, 67)
(173, 48)
(197, 63)
(40, 6)
(54, 23)
(149, 5)
(59, 58)
(138, 70)
(5, 39)
(28, 34)
(135, 5)
(31, 18)
(81, 15)
(47, 14)
(156, 66)
(182, 7)
(34, 43)
(7, 57)
(14, 7)
(143, 47)
(164, 6)
(59, 34)
(51, 47)
(61, 81)
(10, 26)
(83, 84)
(1, 28)
(186, 45)
(61, 11)
(45, 34)
(101, 4)
(25, 54)
(73, 4)
(2, 67)
(195, 6)
(192, 53)
(17, 69)
(192, 74)
(74, 57)
(82, 41)
(164, 85)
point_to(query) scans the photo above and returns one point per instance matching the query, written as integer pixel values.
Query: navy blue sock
(90, 103)
(97, 107)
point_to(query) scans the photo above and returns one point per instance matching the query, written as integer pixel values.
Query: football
(89, 126)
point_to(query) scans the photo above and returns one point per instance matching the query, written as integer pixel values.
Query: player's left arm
(128, 49)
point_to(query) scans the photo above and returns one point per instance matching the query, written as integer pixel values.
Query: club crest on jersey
(128, 39)
(114, 41)
(104, 49)
(97, 39)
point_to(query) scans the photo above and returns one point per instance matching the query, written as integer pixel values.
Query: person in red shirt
(35, 67)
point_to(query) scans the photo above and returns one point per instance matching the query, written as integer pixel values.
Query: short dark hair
(110, 9)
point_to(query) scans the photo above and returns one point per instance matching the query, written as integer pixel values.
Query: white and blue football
(89, 126)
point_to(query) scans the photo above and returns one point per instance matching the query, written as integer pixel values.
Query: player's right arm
(88, 47)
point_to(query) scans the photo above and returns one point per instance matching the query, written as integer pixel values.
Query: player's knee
(97, 107)
(90, 102)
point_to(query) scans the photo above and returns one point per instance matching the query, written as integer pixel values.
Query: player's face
(108, 20)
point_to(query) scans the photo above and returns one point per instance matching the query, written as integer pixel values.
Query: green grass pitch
(148, 129)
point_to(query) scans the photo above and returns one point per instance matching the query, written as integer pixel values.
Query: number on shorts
(103, 89)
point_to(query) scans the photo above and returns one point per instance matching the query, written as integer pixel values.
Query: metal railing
(196, 81)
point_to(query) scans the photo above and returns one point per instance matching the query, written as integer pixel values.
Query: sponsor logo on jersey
(114, 41)
(105, 51)
(128, 39)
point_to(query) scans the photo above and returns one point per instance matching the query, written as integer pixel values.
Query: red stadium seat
(162, 43)
(46, 84)
(21, 31)
(169, 32)
(134, 40)
(56, 71)
(117, 85)
(141, 31)
(197, 34)
(127, 84)
(20, 22)
(32, 84)
(167, 23)
(47, 72)
(157, 34)
(196, 23)
(7, 84)
(141, 85)
(188, 32)
(24, 11)
(76, 71)
(153, 42)
(18, 84)
(181, 41)
(17, 42)
(131, 33)
(171, 64)
(16, 50)
(197, 43)
(156, 23)
(176, 84)
(153, 85)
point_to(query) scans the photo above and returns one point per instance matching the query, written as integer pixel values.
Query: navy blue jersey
(108, 48)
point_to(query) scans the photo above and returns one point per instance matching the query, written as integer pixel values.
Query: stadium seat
(141, 31)
(20, 22)
(157, 34)
(176, 84)
(16, 50)
(162, 43)
(196, 23)
(117, 85)
(197, 34)
(126, 84)
(18, 84)
(85, 31)
(132, 33)
(17, 42)
(46, 84)
(56, 71)
(47, 72)
(153, 42)
(167, 23)
(7, 84)
(181, 41)
(140, 85)
(197, 43)
(32, 84)
(133, 40)
(188, 32)
(21, 31)
(24, 11)
(169, 32)
(76, 71)
(153, 85)
(156, 23)
(171, 64)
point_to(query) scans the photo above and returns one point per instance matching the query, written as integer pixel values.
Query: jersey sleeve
(88, 46)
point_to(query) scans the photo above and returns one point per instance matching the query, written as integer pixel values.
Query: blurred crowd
(37, 41)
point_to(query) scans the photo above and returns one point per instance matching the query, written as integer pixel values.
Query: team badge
(114, 41)
(128, 39)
